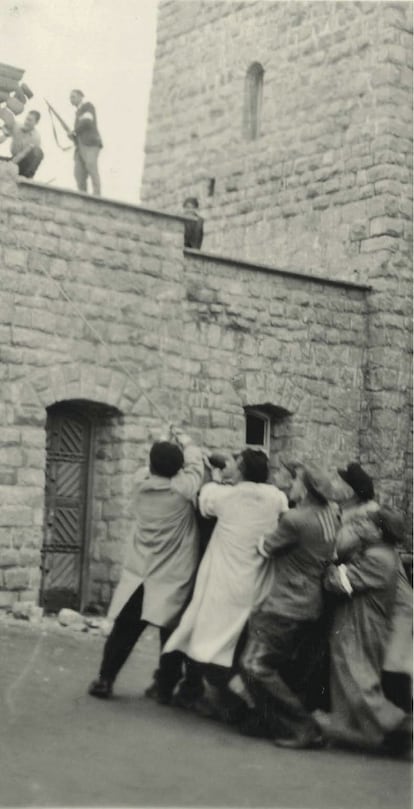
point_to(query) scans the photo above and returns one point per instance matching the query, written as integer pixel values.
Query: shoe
(204, 708)
(153, 692)
(101, 689)
(305, 741)
(183, 700)
(254, 727)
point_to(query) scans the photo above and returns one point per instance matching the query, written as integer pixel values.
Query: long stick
(67, 128)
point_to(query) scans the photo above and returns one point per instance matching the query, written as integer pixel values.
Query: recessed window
(257, 434)
(253, 94)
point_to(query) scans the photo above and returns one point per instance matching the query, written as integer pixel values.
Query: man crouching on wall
(160, 565)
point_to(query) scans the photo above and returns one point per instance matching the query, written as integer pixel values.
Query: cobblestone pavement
(61, 747)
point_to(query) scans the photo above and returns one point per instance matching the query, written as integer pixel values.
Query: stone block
(16, 578)
(72, 619)
(9, 557)
(6, 599)
(386, 226)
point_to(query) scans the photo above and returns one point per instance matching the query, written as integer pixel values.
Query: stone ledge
(267, 268)
(99, 200)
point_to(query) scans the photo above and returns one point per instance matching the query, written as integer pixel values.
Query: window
(253, 92)
(257, 430)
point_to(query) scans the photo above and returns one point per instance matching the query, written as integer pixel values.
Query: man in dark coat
(88, 143)
(302, 545)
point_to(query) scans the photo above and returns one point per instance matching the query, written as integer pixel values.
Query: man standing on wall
(88, 143)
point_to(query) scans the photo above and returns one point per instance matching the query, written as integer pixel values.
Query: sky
(105, 48)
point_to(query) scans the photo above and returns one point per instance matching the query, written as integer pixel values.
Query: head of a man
(190, 206)
(166, 459)
(359, 481)
(253, 465)
(298, 490)
(76, 97)
(31, 120)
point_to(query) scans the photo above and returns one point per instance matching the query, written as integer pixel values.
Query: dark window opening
(211, 186)
(253, 95)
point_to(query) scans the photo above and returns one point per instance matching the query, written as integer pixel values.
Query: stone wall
(331, 165)
(99, 304)
(326, 188)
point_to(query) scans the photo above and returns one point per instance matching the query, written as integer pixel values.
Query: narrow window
(253, 93)
(257, 430)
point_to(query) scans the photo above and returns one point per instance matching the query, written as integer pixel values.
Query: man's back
(302, 545)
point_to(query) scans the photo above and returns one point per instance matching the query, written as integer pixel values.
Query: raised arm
(189, 479)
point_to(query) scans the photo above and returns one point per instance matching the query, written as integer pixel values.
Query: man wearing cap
(301, 547)
(88, 143)
(357, 509)
(359, 514)
(365, 588)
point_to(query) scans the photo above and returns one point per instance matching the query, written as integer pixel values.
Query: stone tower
(291, 122)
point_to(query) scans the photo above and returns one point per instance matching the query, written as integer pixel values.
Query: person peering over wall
(193, 230)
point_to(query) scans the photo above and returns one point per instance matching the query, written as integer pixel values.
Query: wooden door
(65, 544)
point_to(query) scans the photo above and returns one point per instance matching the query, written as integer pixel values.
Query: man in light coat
(233, 578)
(160, 565)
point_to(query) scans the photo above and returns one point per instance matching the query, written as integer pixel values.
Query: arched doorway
(69, 431)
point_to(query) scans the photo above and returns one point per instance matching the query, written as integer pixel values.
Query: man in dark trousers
(302, 545)
(193, 230)
(88, 143)
(160, 564)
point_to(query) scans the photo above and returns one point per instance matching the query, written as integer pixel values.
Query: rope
(52, 120)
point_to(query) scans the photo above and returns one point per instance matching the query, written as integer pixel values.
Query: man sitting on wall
(161, 562)
(25, 144)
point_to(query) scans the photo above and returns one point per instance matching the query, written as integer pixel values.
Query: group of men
(26, 149)
(27, 153)
(305, 600)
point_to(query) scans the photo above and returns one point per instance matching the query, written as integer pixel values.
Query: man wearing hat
(357, 509)
(365, 588)
(301, 546)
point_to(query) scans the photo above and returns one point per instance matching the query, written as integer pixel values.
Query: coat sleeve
(284, 537)
(210, 497)
(372, 570)
(189, 479)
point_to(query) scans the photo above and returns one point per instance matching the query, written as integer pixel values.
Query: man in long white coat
(233, 578)
(160, 565)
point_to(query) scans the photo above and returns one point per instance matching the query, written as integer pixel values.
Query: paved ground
(61, 747)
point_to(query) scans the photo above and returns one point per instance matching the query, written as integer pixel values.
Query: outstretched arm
(189, 479)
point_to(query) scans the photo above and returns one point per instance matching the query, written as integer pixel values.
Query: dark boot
(100, 688)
